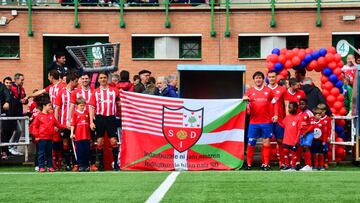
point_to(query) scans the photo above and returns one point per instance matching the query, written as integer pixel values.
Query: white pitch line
(160, 192)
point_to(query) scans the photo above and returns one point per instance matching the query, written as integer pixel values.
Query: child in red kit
(80, 132)
(44, 129)
(291, 136)
(327, 122)
(319, 142)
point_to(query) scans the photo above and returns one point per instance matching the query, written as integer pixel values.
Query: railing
(213, 5)
(24, 133)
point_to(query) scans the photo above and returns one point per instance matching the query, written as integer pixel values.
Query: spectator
(19, 99)
(144, 80)
(300, 74)
(7, 127)
(59, 64)
(4, 98)
(114, 80)
(172, 84)
(350, 67)
(150, 86)
(347, 91)
(136, 79)
(124, 83)
(313, 94)
(162, 88)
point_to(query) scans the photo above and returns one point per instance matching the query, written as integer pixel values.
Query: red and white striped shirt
(63, 102)
(104, 101)
(82, 93)
(54, 90)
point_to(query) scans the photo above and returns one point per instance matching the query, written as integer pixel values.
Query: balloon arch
(326, 61)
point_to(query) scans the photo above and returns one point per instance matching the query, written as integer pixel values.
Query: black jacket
(4, 96)
(315, 97)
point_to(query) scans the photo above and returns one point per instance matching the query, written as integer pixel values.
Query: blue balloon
(327, 71)
(303, 64)
(333, 78)
(308, 58)
(315, 55)
(276, 51)
(278, 67)
(339, 129)
(341, 90)
(339, 84)
(322, 52)
(342, 135)
(267, 80)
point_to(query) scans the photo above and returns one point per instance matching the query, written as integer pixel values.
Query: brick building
(147, 43)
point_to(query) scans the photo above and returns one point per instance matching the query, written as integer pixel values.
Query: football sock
(316, 160)
(281, 153)
(321, 156)
(115, 152)
(249, 154)
(293, 158)
(267, 153)
(307, 157)
(286, 156)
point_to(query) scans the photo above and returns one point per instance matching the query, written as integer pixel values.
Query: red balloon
(282, 58)
(324, 79)
(335, 91)
(340, 122)
(328, 85)
(322, 62)
(329, 57)
(283, 51)
(333, 110)
(337, 58)
(274, 58)
(270, 65)
(331, 50)
(302, 54)
(296, 60)
(332, 65)
(289, 54)
(340, 64)
(295, 50)
(323, 86)
(340, 77)
(342, 111)
(330, 99)
(325, 93)
(338, 105)
(308, 51)
(288, 64)
(284, 73)
(337, 71)
(341, 98)
(314, 65)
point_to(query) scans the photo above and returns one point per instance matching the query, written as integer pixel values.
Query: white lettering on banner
(171, 133)
(192, 135)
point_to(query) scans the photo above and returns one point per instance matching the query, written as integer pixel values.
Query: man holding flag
(261, 118)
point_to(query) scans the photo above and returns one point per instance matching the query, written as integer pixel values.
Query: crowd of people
(70, 117)
(293, 112)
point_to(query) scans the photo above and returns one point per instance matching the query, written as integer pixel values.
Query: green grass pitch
(24, 185)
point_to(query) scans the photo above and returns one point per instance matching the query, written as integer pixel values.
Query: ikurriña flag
(161, 133)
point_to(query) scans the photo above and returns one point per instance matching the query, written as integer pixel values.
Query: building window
(190, 47)
(249, 47)
(9, 47)
(143, 47)
(301, 42)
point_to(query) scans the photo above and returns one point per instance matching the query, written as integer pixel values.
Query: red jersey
(291, 129)
(320, 131)
(278, 92)
(104, 101)
(54, 90)
(81, 122)
(63, 102)
(81, 92)
(260, 105)
(306, 121)
(44, 126)
(294, 97)
(327, 122)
